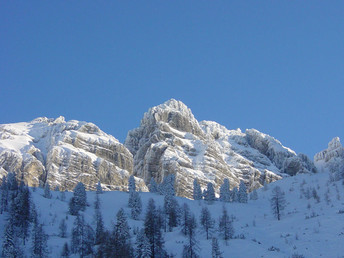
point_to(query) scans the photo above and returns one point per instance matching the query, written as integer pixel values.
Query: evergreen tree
(210, 193)
(235, 195)
(78, 235)
(47, 194)
(224, 191)
(10, 247)
(153, 231)
(12, 182)
(242, 192)
(185, 218)
(99, 234)
(197, 192)
(65, 251)
(277, 202)
(136, 206)
(254, 195)
(215, 249)
(167, 186)
(122, 244)
(132, 190)
(171, 208)
(39, 242)
(153, 186)
(63, 229)
(143, 248)
(226, 229)
(206, 221)
(191, 248)
(78, 201)
(99, 188)
(4, 196)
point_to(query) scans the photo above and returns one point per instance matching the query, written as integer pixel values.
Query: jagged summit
(332, 158)
(170, 140)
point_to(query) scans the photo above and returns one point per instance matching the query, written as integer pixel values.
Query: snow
(307, 227)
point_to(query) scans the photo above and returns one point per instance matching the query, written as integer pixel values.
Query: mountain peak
(334, 144)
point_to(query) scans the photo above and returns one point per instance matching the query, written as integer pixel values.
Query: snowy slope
(308, 227)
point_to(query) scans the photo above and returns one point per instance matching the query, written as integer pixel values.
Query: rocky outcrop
(332, 158)
(64, 153)
(170, 140)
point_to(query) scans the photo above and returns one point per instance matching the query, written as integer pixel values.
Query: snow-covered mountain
(64, 153)
(331, 159)
(170, 140)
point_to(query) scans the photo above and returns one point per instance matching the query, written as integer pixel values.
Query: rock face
(64, 153)
(331, 159)
(170, 140)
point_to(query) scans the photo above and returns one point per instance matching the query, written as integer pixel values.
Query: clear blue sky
(277, 66)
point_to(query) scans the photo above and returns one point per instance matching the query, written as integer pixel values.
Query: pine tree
(78, 234)
(136, 206)
(99, 234)
(47, 194)
(191, 248)
(171, 208)
(277, 202)
(185, 218)
(78, 201)
(12, 182)
(254, 195)
(63, 229)
(65, 251)
(206, 221)
(224, 191)
(197, 192)
(4, 196)
(132, 190)
(142, 246)
(39, 242)
(215, 249)
(153, 186)
(226, 229)
(10, 247)
(121, 236)
(99, 188)
(242, 192)
(167, 186)
(210, 193)
(153, 231)
(235, 195)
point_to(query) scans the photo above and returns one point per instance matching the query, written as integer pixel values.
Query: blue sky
(277, 66)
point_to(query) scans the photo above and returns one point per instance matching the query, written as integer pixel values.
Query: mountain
(332, 158)
(170, 140)
(64, 153)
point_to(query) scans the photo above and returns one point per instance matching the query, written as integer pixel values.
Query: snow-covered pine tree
(215, 248)
(277, 202)
(210, 193)
(132, 190)
(10, 247)
(142, 246)
(12, 182)
(4, 195)
(242, 192)
(47, 194)
(39, 242)
(191, 249)
(235, 195)
(226, 229)
(78, 235)
(63, 229)
(153, 231)
(224, 191)
(153, 186)
(99, 234)
(254, 195)
(99, 188)
(185, 218)
(121, 236)
(206, 221)
(171, 209)
(197, 192)
(136, 206)
(167, 186)
(79, 200)
(65, 251)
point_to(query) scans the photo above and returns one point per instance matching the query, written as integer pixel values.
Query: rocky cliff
(64, 153)
(332, 158)
(170, 140)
